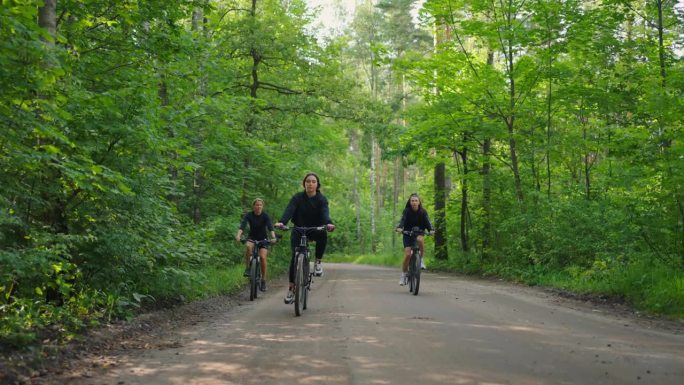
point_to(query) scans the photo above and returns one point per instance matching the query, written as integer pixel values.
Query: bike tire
(306, 269)
(299, 284)
(253, 279)
(257, 281)
(410, 273)
(416, 275)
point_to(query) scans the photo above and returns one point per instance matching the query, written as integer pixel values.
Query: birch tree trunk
(487, 185)
(373, 197)
(198, 174)
(512, 100)
(441, 250)
(464, 197)
(354, 142)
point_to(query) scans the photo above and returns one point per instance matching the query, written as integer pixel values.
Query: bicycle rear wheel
(253, 288)
(299, 285)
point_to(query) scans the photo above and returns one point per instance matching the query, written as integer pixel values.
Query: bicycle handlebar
(304, 229)
(415, 232)
(261, 242)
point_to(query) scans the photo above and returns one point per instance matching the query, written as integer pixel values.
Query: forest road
(361, 327)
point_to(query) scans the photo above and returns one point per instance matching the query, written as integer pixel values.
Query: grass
(209, 281)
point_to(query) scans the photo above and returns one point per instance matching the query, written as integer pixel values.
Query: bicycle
(255, 267)
(413, 274)
(303, 272)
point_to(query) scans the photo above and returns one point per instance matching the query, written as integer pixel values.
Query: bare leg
(263, 253)
(407, 257)
(248, 253)
(421, 245)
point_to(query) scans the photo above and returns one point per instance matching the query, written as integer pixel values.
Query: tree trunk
(486, 197)
(548, 141)
(533, 166)
(197, 192)
(47, 18)
(198, 173)
(486, 185)
(510, 119)
(398, 172)
(514, 159)
(464, 197)
(398, 169)
(587, 167)
(55, 214)
(549, 93)
(441, 250)
(197, 18)
(372, 202)
(664, 140)
(661, 46)
(353, 138)
(254, 73)
(374, 95)
(357, 204)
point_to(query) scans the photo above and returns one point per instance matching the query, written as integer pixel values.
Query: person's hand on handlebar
(330, 227)
(279, 225)
(398, 229)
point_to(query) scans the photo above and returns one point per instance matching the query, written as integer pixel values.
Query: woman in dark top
(308, 208)
(259, 225)
(414, 215)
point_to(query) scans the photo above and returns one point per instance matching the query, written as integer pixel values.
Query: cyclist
(308, 208)
(259, 224)
(414, 215)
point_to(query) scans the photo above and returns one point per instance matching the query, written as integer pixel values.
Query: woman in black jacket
(259, 225)
(308, 208)
(414, 215)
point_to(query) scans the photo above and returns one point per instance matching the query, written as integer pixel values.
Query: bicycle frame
(414, 262)
(303, 272)
(255, 267)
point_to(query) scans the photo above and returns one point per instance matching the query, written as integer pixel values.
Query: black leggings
(321, 238)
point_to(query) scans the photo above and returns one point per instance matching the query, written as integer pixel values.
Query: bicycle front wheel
(253, 279)
(307, 282)
(416, 275)
(299, 285)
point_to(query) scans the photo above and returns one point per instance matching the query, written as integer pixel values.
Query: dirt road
(363, 328)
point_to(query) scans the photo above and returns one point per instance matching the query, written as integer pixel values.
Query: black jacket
(258, 225)
(307, 212)
(411, 219)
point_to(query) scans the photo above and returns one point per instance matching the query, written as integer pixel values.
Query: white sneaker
(289, 298)
(422, 264)
(402, 279)
(318, 269)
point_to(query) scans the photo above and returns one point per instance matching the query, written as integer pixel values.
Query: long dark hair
(420, 203)
(318, 181)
